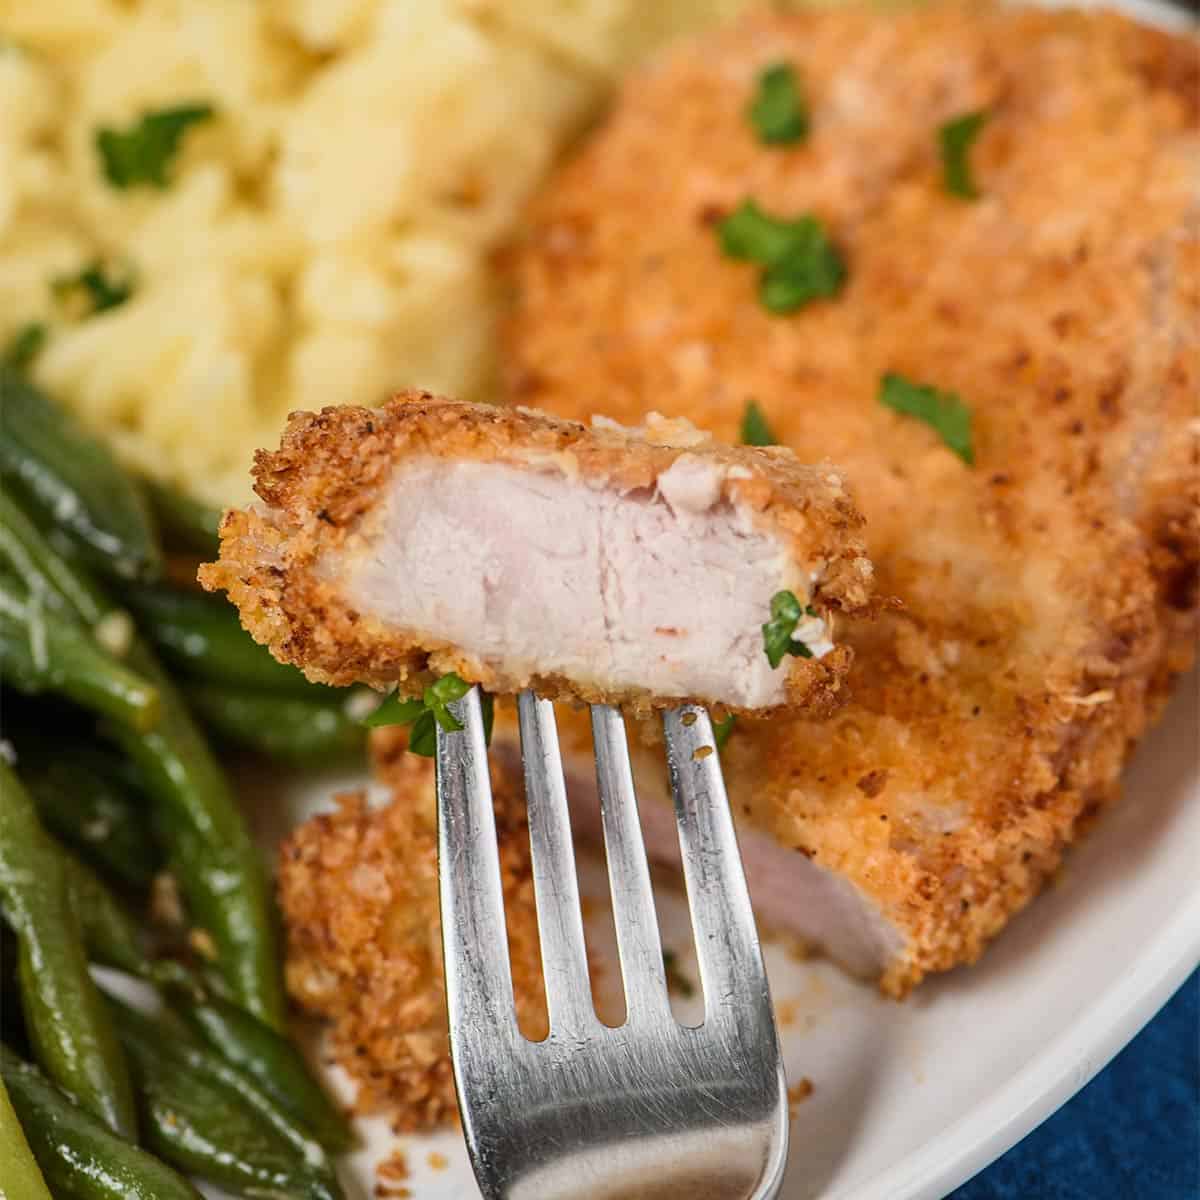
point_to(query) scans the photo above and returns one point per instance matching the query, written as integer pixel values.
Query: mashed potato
(325, 237)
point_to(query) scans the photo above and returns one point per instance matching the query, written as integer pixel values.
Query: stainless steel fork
(652, 1108)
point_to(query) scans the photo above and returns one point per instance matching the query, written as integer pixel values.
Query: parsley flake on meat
(144, 152)
(956, 138)
(786, 612)
(722, 730)
(801, 262)
(943, 412)
(779, 112)
(752, 234)
(755, 430)
(428, 712)
(92, 291)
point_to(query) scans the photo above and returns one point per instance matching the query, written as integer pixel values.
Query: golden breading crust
(320, 488)
(358, 891)
(1049, 590)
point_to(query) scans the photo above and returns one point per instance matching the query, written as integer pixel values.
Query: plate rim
(1039, 1089)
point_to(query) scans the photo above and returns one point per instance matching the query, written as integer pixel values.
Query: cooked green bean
(195, 815)
(80, 1158)
(273, 1062)
(184, 520)
(44, 650)
(65, 1017)
(110, 934)
(203, 1116)
(75, 481)
(284, 727)
(201, 634)
(31, 557)
(211, 853)
(88, 801)
(22, 1177)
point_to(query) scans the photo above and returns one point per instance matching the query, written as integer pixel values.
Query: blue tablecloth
(1132, 1134)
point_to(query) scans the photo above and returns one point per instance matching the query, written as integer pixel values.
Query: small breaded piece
(359, 895)
(631, 566)
(1050, 588)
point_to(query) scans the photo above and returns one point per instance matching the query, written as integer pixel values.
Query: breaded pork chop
(1049, 588)
(521, 550)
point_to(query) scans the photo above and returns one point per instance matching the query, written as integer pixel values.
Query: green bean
(80, 1158)
(22, 1177)
(184, 520)
(65, 1018)
(111, 936)
(201, 635)
(208, 844)
(284, 727)
(43, 650)
(75, 481)
(31, 557)
(211, 853)
(88, 801)
(272, 1061)
(200, 1114)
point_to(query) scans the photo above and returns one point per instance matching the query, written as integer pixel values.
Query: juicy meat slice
(1049, 589)
(519, 550)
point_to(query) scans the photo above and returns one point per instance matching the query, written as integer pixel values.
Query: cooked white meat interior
(517, 550)
(664, 591)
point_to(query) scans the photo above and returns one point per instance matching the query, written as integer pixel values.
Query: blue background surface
(1132, 1134)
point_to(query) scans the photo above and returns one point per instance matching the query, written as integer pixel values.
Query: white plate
(912, 1099)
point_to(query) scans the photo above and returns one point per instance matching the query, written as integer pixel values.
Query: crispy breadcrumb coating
(358, 891)
(288, 564)
(1049, 590)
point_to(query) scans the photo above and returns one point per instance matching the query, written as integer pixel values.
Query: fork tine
(559, 915)
(638, 941)
(479, 990)
(727, 947)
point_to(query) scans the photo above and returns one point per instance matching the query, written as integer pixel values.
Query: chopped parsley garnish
(943, 412)
(777, 632)
(92, 291)
(956, 138)
(752, 234)
(429, 711)
(755, 430)
(722, 730)
(677, 981)
(801, 263)
(24, 345)
(144, 152)
(779, 111)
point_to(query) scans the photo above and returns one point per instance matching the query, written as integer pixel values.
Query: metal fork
(652, 1108)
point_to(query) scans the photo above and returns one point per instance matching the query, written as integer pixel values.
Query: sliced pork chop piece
(519, 550)
(359, 896)
(1050, 587)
